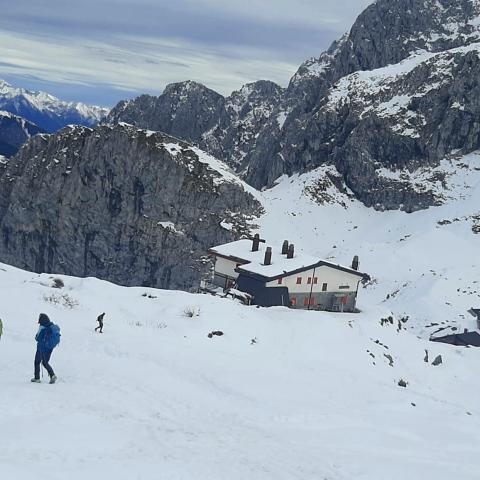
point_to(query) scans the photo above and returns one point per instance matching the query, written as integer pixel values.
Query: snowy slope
(423, 265)
(153, 397)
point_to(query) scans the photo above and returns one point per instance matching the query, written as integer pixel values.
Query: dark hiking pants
(43, 358)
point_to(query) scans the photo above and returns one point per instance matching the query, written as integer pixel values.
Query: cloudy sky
(101, 51)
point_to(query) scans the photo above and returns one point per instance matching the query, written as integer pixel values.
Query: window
(315, 280)
(280, 280)
(312, 301)
(309, 280)
(324, 287)
(299, 280)
(293, 301)
(344, 287)
(305, 301)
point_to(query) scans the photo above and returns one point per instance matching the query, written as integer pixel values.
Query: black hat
(43, 319)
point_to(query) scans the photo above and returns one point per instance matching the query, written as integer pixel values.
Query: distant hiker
(47, 337)
(1, 328)
(100, 322)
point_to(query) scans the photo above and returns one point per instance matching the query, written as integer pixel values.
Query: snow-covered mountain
(46, 111)
(400, 90)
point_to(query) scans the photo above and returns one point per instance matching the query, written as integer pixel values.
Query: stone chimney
(355, 262)
(285, 247)
(291, 250)
(256, 242)
(268, 256)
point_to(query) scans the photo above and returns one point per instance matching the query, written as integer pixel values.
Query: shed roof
(252, 262)
(463, 339)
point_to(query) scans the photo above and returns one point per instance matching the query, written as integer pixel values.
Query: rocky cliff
(424, 51)
(123, 204)
(227, 127)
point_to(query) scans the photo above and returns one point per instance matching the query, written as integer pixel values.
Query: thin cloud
(123, 46)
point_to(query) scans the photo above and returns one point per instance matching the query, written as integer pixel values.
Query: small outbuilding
(465, 339)
(280, 276)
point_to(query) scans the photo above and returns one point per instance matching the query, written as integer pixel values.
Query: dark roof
(228, 257)
(462, 339)
(320, 263)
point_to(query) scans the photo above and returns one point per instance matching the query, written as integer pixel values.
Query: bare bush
(61, 300)
(191, 312)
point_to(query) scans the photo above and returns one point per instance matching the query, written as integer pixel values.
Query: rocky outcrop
(14, 132)
(122, 204)
(186, 110)
(399, 91)
(225, 127)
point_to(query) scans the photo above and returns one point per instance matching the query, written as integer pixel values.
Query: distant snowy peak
(47, 111)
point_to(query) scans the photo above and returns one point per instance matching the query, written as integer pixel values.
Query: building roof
(252, 262)
(462, 339)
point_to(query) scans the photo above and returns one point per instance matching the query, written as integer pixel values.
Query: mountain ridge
(287, 139)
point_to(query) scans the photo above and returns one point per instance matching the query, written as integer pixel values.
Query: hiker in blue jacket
(46, 338)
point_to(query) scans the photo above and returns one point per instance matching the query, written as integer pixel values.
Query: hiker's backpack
(52, 337)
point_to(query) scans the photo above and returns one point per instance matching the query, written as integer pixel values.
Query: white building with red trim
(280, 276)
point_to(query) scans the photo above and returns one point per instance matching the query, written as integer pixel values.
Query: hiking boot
(53, 379)
(36, 380)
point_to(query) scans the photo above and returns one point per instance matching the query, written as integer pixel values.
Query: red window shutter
(280, 280)
(305, 301)
(312, 301)
(299, 280)
(293, 301)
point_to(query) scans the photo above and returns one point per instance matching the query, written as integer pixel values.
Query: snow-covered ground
(281, 395)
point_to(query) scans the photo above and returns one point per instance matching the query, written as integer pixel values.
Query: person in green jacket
(1, 328)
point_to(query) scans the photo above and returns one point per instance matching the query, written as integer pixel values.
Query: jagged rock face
(433, 104)
(409, 118)
(186, 110)
(359, 139)
(225, 127)
(246, 113)
(14, 132)
(120, 204)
